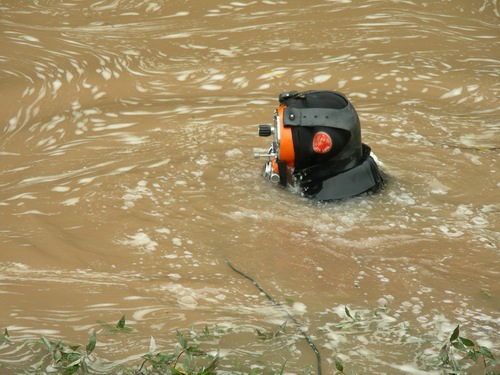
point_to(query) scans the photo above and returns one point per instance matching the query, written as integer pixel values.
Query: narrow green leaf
(57, 356)
(455, 334)
(181, 340)
(261, 334)
(486, 293)
(282, 327)
(75, 363)
(486, 352)
(459, 345)
(92, 343)
(346, 326)
(84, 366)
(454, 363)
(467, 342)
(195, 350)
(47, 343)
(282, 371)
(348, 313)
(444, 354)
(163, 358)
(206, 331)
(152, 345)
(338, 364)
(473, 354)
(210, 369)
(6, 333)
(71, 370)
(121, 323)
(308, 369)
(491, 362)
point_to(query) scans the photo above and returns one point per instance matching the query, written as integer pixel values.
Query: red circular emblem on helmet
(322, 143)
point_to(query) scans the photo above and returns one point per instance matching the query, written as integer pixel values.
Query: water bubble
(188, 301)
(480, 221)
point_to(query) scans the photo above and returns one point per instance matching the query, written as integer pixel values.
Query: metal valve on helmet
(265, 130)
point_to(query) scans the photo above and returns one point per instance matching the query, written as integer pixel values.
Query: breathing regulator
(317, 147)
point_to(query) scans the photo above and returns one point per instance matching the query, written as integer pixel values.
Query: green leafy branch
(169, 363)
(68, 358)
(120, 327)
(467, 348)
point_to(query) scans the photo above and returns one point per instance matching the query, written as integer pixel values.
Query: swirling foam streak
(20, 273)
(72, 174)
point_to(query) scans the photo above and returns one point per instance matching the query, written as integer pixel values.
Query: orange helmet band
(286, 151)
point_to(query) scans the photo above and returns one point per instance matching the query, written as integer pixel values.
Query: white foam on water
(86, 180)
(30, 38)
(187, 301)
(163, 230)
(153, 7)
(37, 212)
(102, 127)
(61, 189)
(203, 160)
(27, 195)
(439, 191)
(403, 198)
(134, 298)
(176, 36)
(358, 95)
(299, 308)
(56, 85)
(451, 232)
(211, 87)
(452, 93)
(133, 194)
(274, 73)
(240, 4)
(142, 313)
(233, 153)
(322, 78)
(140, 240)
(412, 369)
(71, 201)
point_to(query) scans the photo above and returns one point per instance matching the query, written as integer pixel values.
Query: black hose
(282, 308)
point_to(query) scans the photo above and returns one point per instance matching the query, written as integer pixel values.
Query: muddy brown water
(127, 177)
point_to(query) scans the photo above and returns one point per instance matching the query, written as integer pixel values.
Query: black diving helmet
(317, 147)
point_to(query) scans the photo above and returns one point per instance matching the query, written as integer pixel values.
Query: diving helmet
(317, 147)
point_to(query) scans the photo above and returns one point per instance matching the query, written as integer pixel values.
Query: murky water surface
(127, 133)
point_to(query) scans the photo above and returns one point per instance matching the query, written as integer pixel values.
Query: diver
(317, 147)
